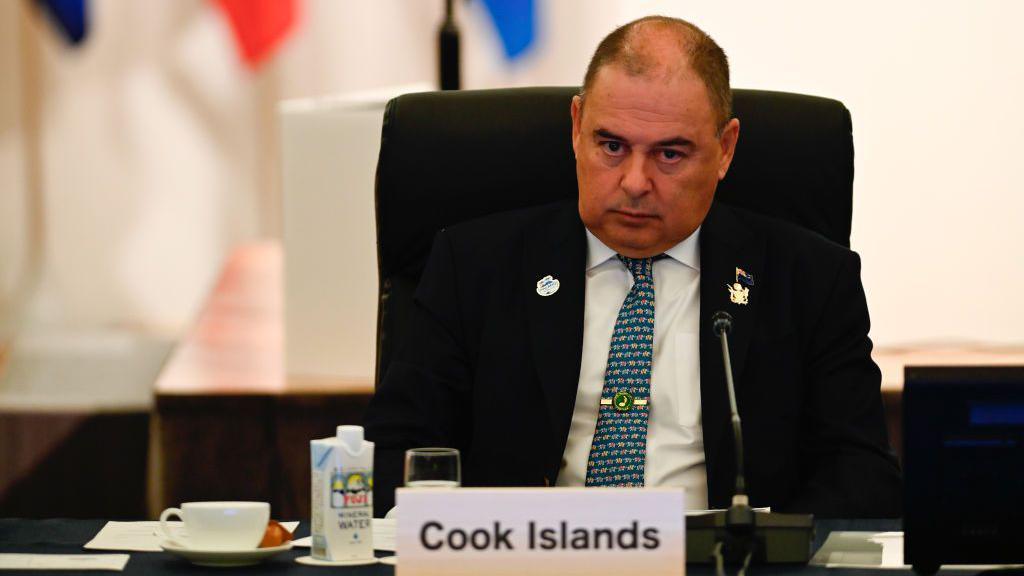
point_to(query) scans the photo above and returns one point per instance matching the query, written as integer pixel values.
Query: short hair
(704, 56)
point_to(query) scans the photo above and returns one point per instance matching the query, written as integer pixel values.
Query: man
(571, 344)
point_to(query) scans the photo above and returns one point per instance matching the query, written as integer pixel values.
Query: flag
(742, 276)
(70, 16)
(516, 24)
(259, 25)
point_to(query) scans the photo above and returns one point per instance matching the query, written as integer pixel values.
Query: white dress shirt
(675, 440)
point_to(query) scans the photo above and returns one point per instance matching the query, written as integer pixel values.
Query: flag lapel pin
(739, 290)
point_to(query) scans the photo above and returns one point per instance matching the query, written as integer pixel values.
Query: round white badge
(547, 285)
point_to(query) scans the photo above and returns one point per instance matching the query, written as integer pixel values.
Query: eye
(612, 147)
(670, 155)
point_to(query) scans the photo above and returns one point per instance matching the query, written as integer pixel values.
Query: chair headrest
(447, 157)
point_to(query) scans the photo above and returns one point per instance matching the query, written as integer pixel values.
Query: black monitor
(963, 451)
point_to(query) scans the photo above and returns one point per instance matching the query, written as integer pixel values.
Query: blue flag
(70, 16)
(516, 24)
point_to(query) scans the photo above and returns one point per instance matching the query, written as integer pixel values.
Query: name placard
(538, 531)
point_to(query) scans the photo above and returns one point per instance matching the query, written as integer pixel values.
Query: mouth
(634, 215)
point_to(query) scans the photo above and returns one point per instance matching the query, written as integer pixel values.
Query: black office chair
(446, 157)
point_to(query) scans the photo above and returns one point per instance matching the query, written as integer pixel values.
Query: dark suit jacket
(491, 367)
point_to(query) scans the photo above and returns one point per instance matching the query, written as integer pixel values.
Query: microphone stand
(740, 534)
(448, 50)
(739, 518)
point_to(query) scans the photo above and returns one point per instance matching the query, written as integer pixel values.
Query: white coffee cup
(219, 525)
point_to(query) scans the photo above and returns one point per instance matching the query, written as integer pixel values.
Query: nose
(634, 176)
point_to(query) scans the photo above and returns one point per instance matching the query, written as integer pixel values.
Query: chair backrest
(447, 157)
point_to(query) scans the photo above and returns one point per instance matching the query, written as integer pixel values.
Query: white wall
(935, 91)
(159, 149)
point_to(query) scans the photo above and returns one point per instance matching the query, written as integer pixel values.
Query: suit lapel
(725, 246)
(556, 247)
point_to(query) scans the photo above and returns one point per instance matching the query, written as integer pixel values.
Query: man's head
(653, 134)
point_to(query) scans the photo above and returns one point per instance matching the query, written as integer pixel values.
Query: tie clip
(623, 401)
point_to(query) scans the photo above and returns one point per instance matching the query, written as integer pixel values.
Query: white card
(384, 534)
(142, 536)
(114, 562)
(541, 531)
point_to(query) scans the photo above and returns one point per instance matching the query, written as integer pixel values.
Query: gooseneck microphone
(741, 535)
(738, 544)
(721, 323)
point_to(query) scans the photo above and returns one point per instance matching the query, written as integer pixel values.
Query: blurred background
(140, 146)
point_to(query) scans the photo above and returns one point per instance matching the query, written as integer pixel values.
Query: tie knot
(640, 266)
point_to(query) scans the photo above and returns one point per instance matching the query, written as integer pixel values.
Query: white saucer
(310, 561)
(389, 560)
(219, 558)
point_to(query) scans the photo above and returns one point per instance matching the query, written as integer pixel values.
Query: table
(59, 536)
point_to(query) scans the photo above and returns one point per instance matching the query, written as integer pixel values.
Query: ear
(576, 109)
(727, 140)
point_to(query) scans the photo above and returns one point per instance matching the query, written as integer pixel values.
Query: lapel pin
(742, 276)
(738, 293)
(547, 285)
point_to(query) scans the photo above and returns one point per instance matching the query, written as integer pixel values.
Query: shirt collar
(686, 252)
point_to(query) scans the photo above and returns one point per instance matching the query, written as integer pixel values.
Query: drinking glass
(432, 468)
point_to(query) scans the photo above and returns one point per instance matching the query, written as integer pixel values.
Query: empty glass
(432, 468)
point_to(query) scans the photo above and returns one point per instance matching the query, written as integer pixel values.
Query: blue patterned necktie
(620, 439)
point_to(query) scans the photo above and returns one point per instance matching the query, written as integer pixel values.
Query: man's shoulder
(511, 220)
(798, 267)
(783, 236)
(502, 231)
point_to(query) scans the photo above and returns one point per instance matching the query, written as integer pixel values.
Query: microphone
(740, 534)
(721, 323)
(739, 518)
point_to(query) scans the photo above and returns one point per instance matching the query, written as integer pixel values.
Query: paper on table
(114, 562)
(142, 536)
(383, 536)
(384, 531)
(713, 510)
(878, 550)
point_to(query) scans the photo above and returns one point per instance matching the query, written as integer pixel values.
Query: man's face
(648, 158)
